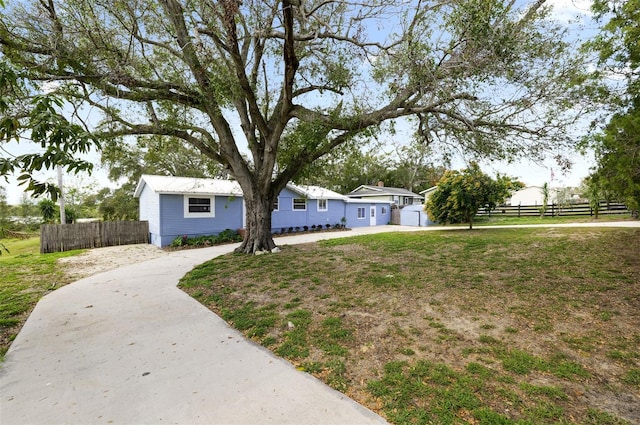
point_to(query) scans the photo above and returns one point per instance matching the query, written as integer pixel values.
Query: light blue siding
(351, 213)
(167, 221)
(287, 217)
(383, 218)
(228, 215)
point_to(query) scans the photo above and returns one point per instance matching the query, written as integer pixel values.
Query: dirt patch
(99, 260)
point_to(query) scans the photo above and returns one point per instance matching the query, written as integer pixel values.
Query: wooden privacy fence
(555, 210)
(65, 237)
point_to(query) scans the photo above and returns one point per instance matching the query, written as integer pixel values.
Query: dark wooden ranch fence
(555, 210)
(65, 237)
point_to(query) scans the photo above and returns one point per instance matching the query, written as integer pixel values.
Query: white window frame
(209, 214)
(384, 210)
(276, 204)
(326, 205)
(364, 213)
(293, 204)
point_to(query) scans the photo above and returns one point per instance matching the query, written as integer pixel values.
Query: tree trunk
(258, 228)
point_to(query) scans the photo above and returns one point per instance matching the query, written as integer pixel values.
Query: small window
(322, 205)
(299, 204)
(373, 212)
(198, 206)
(361, 212)
(276, 204)
(384, 210)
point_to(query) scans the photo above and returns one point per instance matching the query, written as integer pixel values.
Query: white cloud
(570, 10)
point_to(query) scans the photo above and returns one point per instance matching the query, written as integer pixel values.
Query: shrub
(225, 236)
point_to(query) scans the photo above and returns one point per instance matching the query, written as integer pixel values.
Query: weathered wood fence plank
(555, 210)
(65, 237)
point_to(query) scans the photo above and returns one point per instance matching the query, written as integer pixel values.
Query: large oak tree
(266, 87)
(617, 145)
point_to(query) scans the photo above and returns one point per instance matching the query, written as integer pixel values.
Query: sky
(574, 13)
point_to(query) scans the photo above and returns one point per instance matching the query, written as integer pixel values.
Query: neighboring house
(427, 192)
(177, 206)
(396, 195)
(532, 196)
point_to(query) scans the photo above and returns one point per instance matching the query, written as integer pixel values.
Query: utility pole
(63, 219)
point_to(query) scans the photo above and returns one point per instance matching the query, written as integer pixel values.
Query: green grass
(26, 276)
(490, 326)
(528, 220)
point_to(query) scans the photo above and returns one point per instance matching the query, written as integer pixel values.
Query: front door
(372, 216)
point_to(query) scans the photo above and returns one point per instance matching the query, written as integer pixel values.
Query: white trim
(326, 204)
(212, 207)
(293, 204)
(372, 216)
(244, 214)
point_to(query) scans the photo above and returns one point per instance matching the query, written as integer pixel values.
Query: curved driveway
(128, 347)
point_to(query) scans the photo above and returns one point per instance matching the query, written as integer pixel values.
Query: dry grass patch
(490, 326)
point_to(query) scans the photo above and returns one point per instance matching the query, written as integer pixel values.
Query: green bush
(225, 236)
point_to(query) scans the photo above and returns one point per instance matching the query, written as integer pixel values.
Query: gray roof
(366, 190)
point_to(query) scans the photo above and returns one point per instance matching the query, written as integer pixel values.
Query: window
(299, 204)
(373, 212)
(276, 204)
(384, 210)
(199, 207)
(361, 212)
(408, 200)
(322, 205)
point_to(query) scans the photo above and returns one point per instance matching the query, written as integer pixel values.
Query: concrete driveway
(128, 347)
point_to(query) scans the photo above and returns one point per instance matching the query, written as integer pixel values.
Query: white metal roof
(192, 185)
(315, 192)
(187, 185)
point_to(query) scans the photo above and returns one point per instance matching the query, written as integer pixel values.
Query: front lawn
(492, 326)
(25, 277)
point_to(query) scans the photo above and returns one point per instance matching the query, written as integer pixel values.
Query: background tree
(118, 204)
(289, 81)
(461, 194)
(166, 156)
(347, 167)
(5, 216)
(48, 210)
(414, 168)
(617, 145)
(592, 190)
(545, 199)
